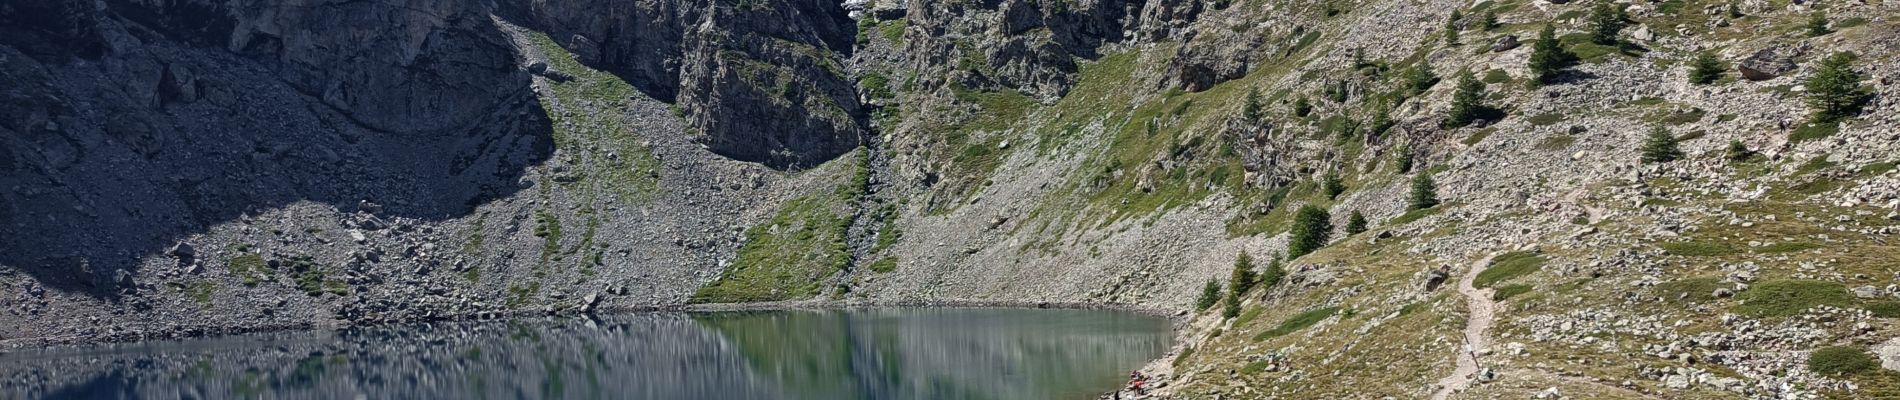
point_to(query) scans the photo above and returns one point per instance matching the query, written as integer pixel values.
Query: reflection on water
(868, 354)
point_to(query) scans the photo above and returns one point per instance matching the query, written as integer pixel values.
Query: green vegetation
(1251, 111)
(1272, 274)
(1693, 290)
(1210, 294)
(1488, 20)
(1231, 306)
(1834, 91)
(1660, 147)
(788, 256)
(1451, 28)
(1556, 142)
(1242, 278)
(1312, 228)
(1418, 79)
(1301, 107)
(1355, 224)
(884, 265)
(1467, 104)
(1298, 322)
(1333, 185)
(1424, 193)
(1786, 247)
(1817, 24)
(1508, 291)
(1841, 360)
(1787, 298)
(1705, 69)
(1883, 309)
(248, 267)
(633, 174)
(1496, 76)
(1414, 215)
(1738, 152)
(1696, 249)
(1545, 119)
(1606, 22)
(1509, 266)
(312, 277)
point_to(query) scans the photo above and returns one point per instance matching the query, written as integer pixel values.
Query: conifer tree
(1356, 224)
(1405, 158)
(1705, 69)
(1424, 193)
(1488, 21)
(1467, 104)
(1606, 22)
(1272, 274)
(1817, 24)
(1231, 308)
(1243, 277)
(1209, 295)
(1334, 185)
(1660, 147)
(1312, 228)
(1420, 78)
(1301, 107)
(1451, 28)
(1834, 91)
(1548, 56)
(1251, 111)
(1738, 152)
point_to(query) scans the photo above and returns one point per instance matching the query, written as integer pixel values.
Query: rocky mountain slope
(192, 167)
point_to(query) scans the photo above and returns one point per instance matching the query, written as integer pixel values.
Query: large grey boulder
(1766, 64)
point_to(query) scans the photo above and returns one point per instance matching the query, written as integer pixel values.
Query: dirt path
(1574, 197)
(1477, 326)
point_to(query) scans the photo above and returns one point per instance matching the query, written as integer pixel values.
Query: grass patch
(1876, 169)
(1556, 142)
(1814, 132)
(1786, 298)
(1496, 76)
(1415, 215)
(1298, 322)
(1478, 136)
(1692, 290)
(1787, 247)
(1841, 361)
(789, 256)
(1508, 291)
(1883, 309)
(885, 265)
(249, 268)
(1545, 119)
(1697, 248)
(1509, 266)
(313, 277)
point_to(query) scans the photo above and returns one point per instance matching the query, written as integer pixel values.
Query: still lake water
(951, 353)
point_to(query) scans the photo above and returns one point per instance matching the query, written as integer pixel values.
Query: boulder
(1504, 43)
(1765, 64)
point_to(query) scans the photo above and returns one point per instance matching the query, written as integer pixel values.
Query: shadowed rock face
(131, 125)
(760, 82)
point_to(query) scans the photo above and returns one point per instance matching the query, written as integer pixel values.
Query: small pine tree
(1424, 193)
(1243, 278)
(1606, 21)
(1705, 69)
(1251, 112)
(1312, 228)
(1420, 78)
(1272, 274)
(1301, 107)
(1209, 295)
(1834, 91)
(1467, 104)
(1451, 28)
(1738, 152)
(1660, 147)
(1381, 121)
(1548, 56)
(1231, 307)
(1356, 224)
(1405, 158)
(1334, 185)
(1488, 21)
(1817, 24)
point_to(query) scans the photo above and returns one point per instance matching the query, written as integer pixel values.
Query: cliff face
(188, 166)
